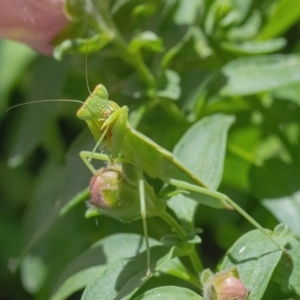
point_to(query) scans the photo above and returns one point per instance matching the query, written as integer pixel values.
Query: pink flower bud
(223, 286)
(32, 22)
(114, 192)
(232, 289)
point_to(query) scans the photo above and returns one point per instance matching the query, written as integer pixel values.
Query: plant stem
(195, 260)
(132, 58)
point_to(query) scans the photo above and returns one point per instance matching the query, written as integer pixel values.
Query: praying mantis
(109, 125)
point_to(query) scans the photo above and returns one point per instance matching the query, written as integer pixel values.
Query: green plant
(172, 63)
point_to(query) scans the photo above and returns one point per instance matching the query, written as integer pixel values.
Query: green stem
(195, 260)
(132, 58)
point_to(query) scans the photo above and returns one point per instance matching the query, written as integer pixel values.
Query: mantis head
(97, 106)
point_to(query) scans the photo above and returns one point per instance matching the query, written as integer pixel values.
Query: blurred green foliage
(172, 62)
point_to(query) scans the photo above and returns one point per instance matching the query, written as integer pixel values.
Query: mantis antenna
(62, 100)
(86, 67)
(41, 101)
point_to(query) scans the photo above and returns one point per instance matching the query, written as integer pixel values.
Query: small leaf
(146, 39)
(176, 268)
(184, 208)
(78, 45)
(169, 293)
(255, 47)
(172, 89)
(286, 210)
(247, 30)
(187, 11)
(33, 273)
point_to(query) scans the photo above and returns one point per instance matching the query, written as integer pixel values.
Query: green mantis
(109, 125)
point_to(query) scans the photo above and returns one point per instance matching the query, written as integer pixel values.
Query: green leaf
(256, 258)
(285, 14)
(33, 273)
(247, 30)
(202, 148)
(123, 278)
(252, 75)
(95, 260)
(41, 215)
(169, 293)
(77, 282)
(255, 47)
(171, 53)
(42, 210)
(286, 210)
(148, 40)
(187, 12)
(84, 46)
(177, 269)
(184, 208)
(287, 272)
(202, 151)
(172, 89)
(14, 58)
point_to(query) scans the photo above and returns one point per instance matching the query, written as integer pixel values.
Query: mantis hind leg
(143, 208)
(223, 200)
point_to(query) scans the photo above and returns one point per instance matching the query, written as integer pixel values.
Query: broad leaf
(94, 261)
(288, 12)
(202, 148)
(252, 75)
(123, 278)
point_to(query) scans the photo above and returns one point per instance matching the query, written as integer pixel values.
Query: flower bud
(114, 192)
(223, 286)
(32, 22)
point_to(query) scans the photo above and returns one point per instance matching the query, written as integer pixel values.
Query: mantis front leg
(143, 208)
(87, 155)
